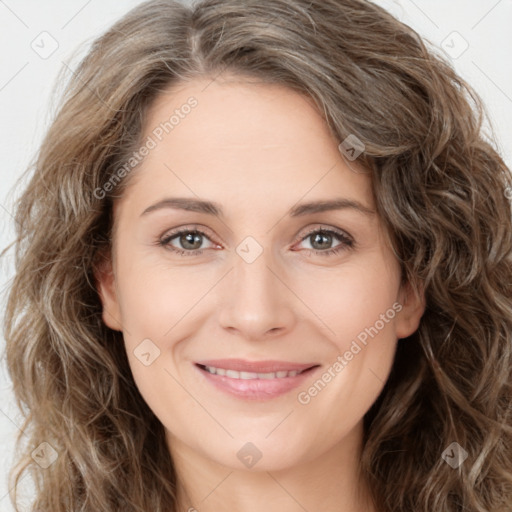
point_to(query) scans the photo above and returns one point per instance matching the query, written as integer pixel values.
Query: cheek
(359, 305)
(154, 297)
(160, 306)
(156, 303)
(353, 297)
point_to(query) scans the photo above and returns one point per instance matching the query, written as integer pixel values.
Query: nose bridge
(254, 300)
(253, 280)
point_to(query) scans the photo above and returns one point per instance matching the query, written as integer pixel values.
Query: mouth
(255, 380)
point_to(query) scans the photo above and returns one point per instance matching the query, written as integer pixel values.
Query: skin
(257, 150)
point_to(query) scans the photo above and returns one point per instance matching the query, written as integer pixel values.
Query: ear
(106, 288)
(413, 306)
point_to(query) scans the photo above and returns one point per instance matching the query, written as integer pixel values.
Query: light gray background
(27, 76)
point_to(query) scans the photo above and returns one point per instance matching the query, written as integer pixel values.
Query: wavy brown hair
(440, 187)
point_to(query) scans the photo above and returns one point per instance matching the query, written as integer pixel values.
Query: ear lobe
(413, 307)
(106, 288)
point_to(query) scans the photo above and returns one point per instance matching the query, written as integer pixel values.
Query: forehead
(243, 140)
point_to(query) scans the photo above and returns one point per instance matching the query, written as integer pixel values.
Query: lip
(255, 389)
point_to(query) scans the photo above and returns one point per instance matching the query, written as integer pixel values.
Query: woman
(178, 333)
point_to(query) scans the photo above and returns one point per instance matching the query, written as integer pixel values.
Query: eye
(321, 238)
(190, 240)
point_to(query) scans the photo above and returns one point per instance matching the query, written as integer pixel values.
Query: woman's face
(294, 306)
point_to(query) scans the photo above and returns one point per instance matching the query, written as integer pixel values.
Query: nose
(256, 302)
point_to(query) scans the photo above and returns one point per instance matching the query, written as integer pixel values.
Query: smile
(254, 380)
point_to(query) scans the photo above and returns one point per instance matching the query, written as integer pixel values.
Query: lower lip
(256, 389)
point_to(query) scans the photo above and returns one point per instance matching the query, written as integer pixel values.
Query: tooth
(248, 375)
(233, 374)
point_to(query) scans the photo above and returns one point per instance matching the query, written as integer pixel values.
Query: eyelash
(346, 242)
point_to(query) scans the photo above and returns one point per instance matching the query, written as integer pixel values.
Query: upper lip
(242, 365)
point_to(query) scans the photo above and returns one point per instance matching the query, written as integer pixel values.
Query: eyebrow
(212, 208)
